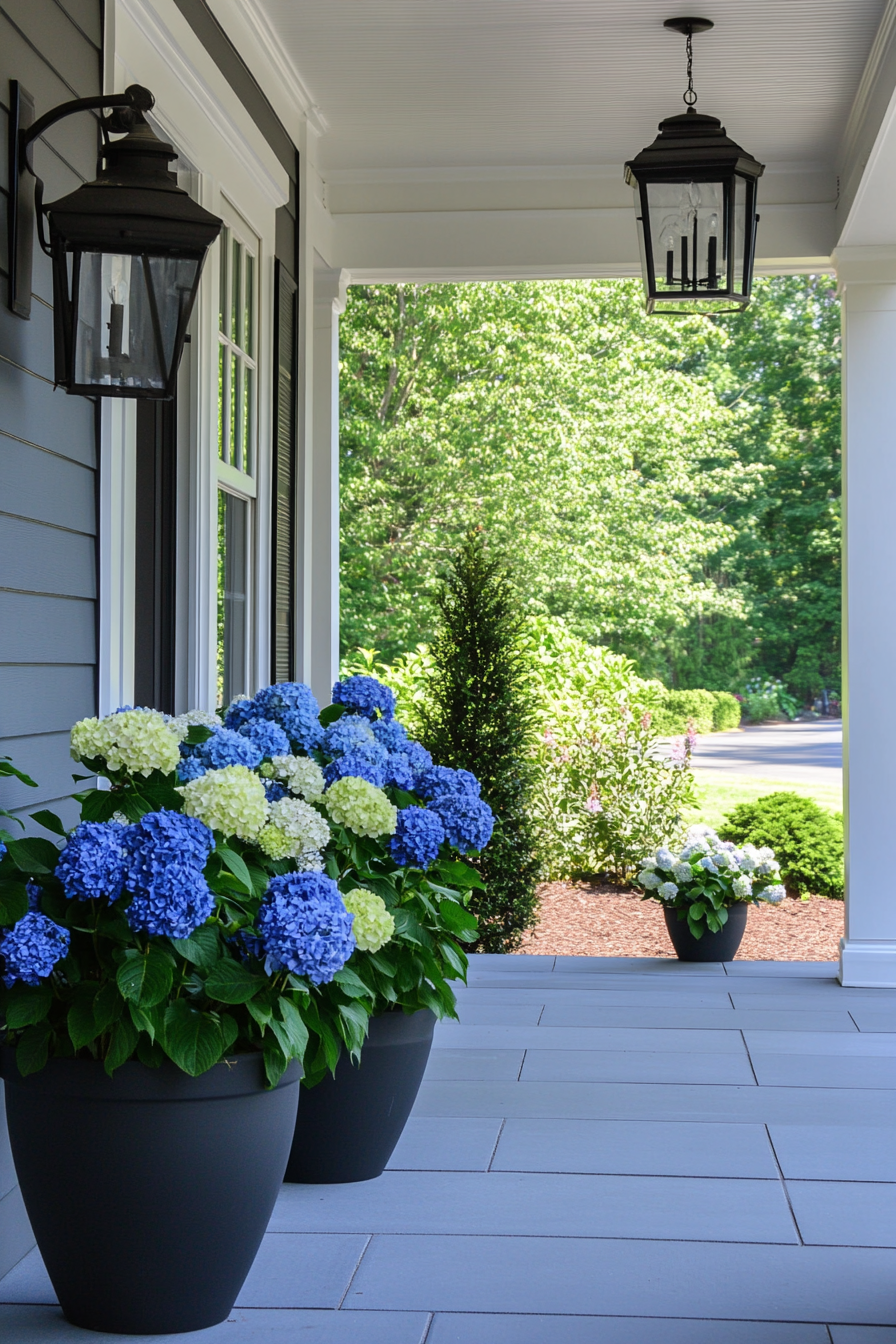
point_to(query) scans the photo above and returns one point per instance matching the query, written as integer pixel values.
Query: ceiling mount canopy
(695, 204)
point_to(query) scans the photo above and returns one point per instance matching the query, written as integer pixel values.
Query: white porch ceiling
(423, 84)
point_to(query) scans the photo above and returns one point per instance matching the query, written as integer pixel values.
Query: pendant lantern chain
(690, 96)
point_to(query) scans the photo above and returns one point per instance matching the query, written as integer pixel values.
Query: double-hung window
(237, 455)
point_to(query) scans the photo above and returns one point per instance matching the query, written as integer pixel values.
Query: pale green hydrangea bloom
(361, 806)
(668, 891)
(231, 801)
(294, 830)
(742, 887)
(138, 741)
(194, 718)
(649, 879)
(373, 926)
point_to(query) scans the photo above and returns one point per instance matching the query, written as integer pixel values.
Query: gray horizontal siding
(49, 489)
(47, 759)
(32, 411)
(46, 629)
(35, 558)
(40, 698)
(28, 344)
(62, 45)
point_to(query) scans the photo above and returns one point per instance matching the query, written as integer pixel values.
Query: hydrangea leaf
(262, 1012)
(456, 918)
(461, 874)
(201, 948)
(352, 984)
(454, 957)
(49, 821)
(237, 865)
(13, 902)
(108, 1006)
(102, 804)
(34, 854)
(145, 978)
(290, 1030)
(198, 733)
(122, 1045)
(27, 1004)
(193, 1040)
(229, 1031)
(230, 982)
(82, 1028)
(8, 770)
(331, 714)
(31, 1052)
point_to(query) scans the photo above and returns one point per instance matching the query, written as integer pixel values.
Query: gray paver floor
(604, 1151)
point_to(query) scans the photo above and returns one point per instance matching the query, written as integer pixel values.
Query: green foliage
(669, 487)
(726, 711)
(766, 698)
(680, 707)
(478, 715)
(604, 795)
(807, 840)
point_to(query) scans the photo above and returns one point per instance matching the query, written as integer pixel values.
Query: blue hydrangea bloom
(267, 736)
(400, 771)
(292, 705)
(346, 734)
(223, 748)
(468, 821)
(247, 945)
(190, 767)
(417, 837)
(173, 903)
(390, 733)
(362, 765)
(34, 892)
(161, 838)
(367, 695)
(439, 780)
(274, 790)
(31, 949)
(2, 849)
(92, 864)
(305, 926)
(241, 712)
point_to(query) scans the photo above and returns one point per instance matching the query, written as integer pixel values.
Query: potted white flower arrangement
(706, 890)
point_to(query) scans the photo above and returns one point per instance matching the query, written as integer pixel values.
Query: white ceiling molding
(228, 118)
(869, 107)
(865, 265)
(249, 29)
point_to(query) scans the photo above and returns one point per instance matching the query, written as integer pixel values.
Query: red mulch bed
(590, 920)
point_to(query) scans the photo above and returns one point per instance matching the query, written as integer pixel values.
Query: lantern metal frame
(692, 148)
(133, 209)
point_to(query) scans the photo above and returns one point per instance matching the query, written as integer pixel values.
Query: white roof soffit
(485, 138)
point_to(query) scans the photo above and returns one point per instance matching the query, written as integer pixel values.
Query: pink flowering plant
(608, 790)
(262, 884)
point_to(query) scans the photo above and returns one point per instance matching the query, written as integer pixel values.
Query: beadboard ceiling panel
(408, 85)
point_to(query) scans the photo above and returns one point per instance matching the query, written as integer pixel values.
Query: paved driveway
(810, 753)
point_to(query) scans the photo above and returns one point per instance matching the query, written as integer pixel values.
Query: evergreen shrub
(807, 840)
(679, 706)
(478, 714)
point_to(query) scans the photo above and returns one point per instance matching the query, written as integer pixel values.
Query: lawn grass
(717, 794)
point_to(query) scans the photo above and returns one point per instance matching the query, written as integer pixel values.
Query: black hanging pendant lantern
(695, 204)
(127, 253)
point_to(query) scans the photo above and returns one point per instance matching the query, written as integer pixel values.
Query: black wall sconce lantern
(127, 251)
(695, 204)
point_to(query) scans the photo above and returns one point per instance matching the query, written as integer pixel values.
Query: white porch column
(868, 285)
(321, 580)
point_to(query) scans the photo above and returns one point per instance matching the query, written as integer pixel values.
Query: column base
(867, 964)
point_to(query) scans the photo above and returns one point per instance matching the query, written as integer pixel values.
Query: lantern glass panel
(740, 230)
(129, 311)
(687, 236)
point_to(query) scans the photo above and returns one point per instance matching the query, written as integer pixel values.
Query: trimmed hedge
(807, 840)
(711, 712)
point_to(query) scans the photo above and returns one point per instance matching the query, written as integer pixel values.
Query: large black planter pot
(149, 1192)
(348, 1125)
(721, 946)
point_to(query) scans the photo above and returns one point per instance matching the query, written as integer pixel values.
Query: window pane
(235, 453)
(248, 415)
(222, 402)
(233, 538)
(249, 319)
(236, 330)
(222, 282)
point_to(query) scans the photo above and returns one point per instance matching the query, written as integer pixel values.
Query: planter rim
(395, 1025)
(238, 1075)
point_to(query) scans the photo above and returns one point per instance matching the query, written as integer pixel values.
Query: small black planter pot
(149, 1192)
(721, 946)
(349, 1124)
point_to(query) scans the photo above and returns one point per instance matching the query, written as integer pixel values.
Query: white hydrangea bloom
(668, 891)
(648, 863)
(181, 724)
(302, 776)
(664, 858)
(749, 859)
(742, 887)
(766, 853)
(136, 740)
(702, 834)
(231, 801)
(294, 829)
(682, 872)
(648, 879)
(773, 894)
(768, 868)
(708, 864)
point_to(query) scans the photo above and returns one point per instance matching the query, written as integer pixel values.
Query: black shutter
(284, 492)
